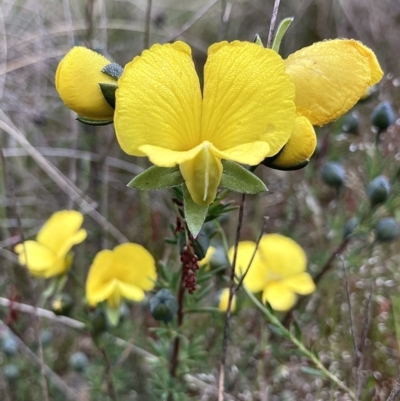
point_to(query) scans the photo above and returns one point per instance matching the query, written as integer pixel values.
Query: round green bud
(62, 304)
(98, 321)
(78, 361)
(350, 226)
(378, 190)
(333, 174)
(387, 229)
(163, 306)
(11, 372)
(46, 337)
(9, 345)
(350, 123)
(383, 116)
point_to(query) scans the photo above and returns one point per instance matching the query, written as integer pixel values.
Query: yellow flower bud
(77, 82)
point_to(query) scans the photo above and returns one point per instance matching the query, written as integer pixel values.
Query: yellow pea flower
(125, 272)
(330, 77)
(224, 300)
(48, 255)
(245, 113)
(278, 270)
(78, 77)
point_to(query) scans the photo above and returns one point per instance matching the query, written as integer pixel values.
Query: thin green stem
(300, 346)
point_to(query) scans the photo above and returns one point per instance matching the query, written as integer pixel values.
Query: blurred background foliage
(52, 162)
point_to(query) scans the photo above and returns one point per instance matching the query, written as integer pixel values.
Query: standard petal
(301, 283)
(255, 279)
(202, 175)
(281, 256)
(37, 257)
(158, 101)
(62, 231)
(299, 148)
(134, 265)
(248, 97)
(330, 77)
(77, 81)
(280, 297)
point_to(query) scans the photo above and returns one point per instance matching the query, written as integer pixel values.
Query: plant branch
(273, 23)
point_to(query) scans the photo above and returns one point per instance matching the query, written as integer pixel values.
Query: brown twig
(273, 22)
(395, 391)
(146, 40)
(221, 381)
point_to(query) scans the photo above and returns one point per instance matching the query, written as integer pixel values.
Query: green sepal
(194, 214)
(56, 285)
(280, 32)
(257, 40)
(112, 314)
(157, 178)
(108, 91)
(89, 121)
(237, 178)
(113, 70)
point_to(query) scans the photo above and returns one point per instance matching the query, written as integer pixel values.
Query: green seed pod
(62, 304)
(78, 361)
(350, 226)
(378, 190)
(163, 306)
(387, 230)
(9, 345)
(350, 123)
(11, 372)
(383, 116)
(333, 174)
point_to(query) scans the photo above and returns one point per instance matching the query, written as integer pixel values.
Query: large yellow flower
(278, 270)
(245, 113)
(125, 272)
(77, 82)
(330, 77)
(48, 255)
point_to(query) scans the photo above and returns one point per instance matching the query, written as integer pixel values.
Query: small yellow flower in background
(330, 77)
(77, 82)
(205, 262)
(48, 255)
(278, 270)
(125, 272)
(245, 113)
(224, 300)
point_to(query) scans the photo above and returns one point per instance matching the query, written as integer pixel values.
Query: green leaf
(113, 70)
(112, 314)
(257, 40)
(157, 178)
(194, 214)
(89, 121)
(108, 91)
(237, 178)
(312, 371)
(280, 32)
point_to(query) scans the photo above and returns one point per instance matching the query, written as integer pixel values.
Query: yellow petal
(202, 175)
(158, 101)
(131, 292)
(224, 300)
(77, 81)
(299, 148)
(37, 258)
(255, 279)
(102, 292)
(301, 283)
(281, 256)
(330, 77)
(280, 297)
(248, 97)
(207, 258)
(134, 265)
(62, 231)
(247, 153)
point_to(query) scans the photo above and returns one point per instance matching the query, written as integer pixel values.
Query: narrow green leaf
(280, 32)
(89, 121)
(257, 40)
(113, 70)
(108, 91)
(157, 178)
(112, 314)
(312, 371)
(194, 214)
(237, 178)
